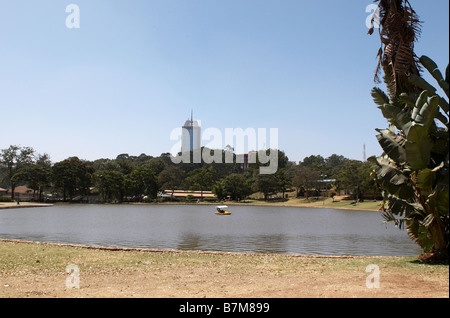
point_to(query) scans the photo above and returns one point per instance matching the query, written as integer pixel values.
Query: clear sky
(134, 70)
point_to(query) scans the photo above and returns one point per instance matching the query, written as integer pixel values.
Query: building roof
(191, 123)
(182, 193)
(22, 189)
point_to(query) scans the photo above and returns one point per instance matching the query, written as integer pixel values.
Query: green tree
(125, 163)
(110, 184)
(106, 164)
(12, 160)
(171, 178)
(316, 163)
(236, 186)
(355, 178)
(157, 165)
(36, 176)
(219, 190)
(333, 164)
(72, 176)
(413, 170)
(282, 161)
(304, 179)
(201, 179)
(284, 180)
(140, 183)
(268, 184)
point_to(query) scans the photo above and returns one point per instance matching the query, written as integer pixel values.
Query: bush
(5, 199)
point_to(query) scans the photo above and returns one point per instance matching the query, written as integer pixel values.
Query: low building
(178, 194)
(22, 193)
(3, 192)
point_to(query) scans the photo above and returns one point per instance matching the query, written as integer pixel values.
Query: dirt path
(38, 270)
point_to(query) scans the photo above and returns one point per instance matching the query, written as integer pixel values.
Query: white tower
(191, 137)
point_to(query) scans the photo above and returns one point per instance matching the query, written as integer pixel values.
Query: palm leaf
(392, 145)
(431, 66)
(379, 97)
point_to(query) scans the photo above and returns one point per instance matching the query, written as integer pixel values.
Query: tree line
(140, 178)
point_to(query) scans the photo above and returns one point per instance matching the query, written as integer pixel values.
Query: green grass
(313, 202)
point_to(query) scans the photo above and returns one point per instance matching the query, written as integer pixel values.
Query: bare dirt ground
(39, 270)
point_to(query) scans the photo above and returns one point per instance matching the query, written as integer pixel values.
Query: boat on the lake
(222, 210)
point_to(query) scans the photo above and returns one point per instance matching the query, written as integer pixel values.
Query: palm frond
(399, 29)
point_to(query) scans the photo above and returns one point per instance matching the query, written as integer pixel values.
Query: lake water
(196, 227)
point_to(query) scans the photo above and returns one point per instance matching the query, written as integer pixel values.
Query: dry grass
(38, 270)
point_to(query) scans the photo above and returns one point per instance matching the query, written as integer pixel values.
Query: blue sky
(134, 70)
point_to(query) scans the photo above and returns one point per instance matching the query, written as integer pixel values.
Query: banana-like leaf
(424, 181)
(419, 234)
(431, 66)
(409, 99)
(396, 116)
(447, 74)
(391, 179)
(420, 82)
(393, 145)
(442, 118)
(420, 101)
(418, 147)
(405, 209)
(427, 112)
(428, 220)
(439, 199)
(444, 105)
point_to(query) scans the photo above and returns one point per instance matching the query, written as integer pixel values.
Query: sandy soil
(38, 270)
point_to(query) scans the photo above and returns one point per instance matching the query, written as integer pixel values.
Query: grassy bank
(38, 270)
(14, 205)
(314, 203)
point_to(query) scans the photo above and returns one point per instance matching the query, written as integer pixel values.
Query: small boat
(222, 210)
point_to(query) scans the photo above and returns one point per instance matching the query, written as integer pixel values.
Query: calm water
(248, 229)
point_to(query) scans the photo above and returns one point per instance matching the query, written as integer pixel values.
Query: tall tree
(13, 159)
(316, 163)
(36, 176)
(268, 184)
(333, 164)
(202, 179)
(413, 171)
(140, 183)
(399, 29)
(355, 177)
(110, 184)
(236, 186)
(72, 176)
(171, 178)
(304, 178)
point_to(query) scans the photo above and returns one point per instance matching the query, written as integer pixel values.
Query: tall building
(191, 137)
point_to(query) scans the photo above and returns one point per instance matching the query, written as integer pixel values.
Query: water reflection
(249, 229)
(249, 244)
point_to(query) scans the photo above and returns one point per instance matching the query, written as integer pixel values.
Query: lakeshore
(38, 270)
(300, 203)
(14, 205)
